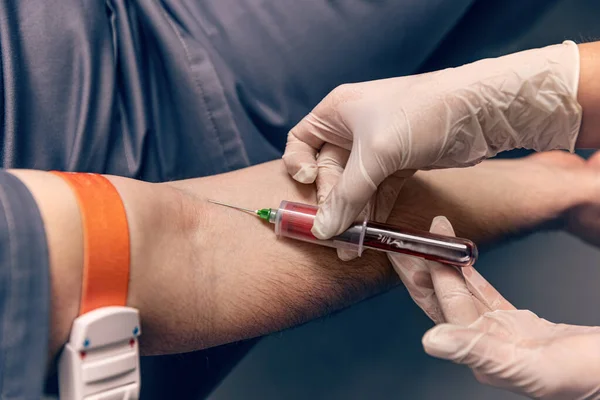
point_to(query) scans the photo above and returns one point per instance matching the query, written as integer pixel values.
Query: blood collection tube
(295, 221)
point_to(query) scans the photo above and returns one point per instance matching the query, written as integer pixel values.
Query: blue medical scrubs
(160, 90)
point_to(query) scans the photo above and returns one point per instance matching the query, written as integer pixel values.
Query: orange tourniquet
(106, 241)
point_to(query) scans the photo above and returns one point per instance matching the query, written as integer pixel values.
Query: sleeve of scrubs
(24, 292)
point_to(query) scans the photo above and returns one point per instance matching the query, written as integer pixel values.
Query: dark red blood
(298, 220)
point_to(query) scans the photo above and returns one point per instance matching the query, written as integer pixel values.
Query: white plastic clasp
(101, 360)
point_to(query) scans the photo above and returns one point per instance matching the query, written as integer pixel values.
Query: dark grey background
(373, 350)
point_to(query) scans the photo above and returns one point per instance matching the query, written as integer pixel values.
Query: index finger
(300, 156)
(454, 297)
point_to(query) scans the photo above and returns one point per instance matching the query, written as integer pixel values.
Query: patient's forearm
(248, 283)
(499, 199)
(203, 275)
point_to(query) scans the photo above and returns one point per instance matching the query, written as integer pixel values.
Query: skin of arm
(204, 275)
(588, 95)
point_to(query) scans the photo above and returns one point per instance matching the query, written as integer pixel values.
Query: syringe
(295, 221)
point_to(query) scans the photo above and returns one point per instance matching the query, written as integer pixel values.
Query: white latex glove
(518, 351)
(331, 163)
(507, 348)
(451, 118)
(445, 293)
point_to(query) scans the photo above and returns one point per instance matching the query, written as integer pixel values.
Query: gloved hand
(444, 293)
(451, 118)
(378, 208)
(518, 351)
(507, 348)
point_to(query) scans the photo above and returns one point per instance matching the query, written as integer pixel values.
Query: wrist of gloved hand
(522, 100)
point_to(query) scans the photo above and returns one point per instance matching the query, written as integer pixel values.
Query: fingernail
(306, 174)
(346, 255)
(440, 342)
(441, 223)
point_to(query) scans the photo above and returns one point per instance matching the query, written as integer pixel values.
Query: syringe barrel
(295, 220)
